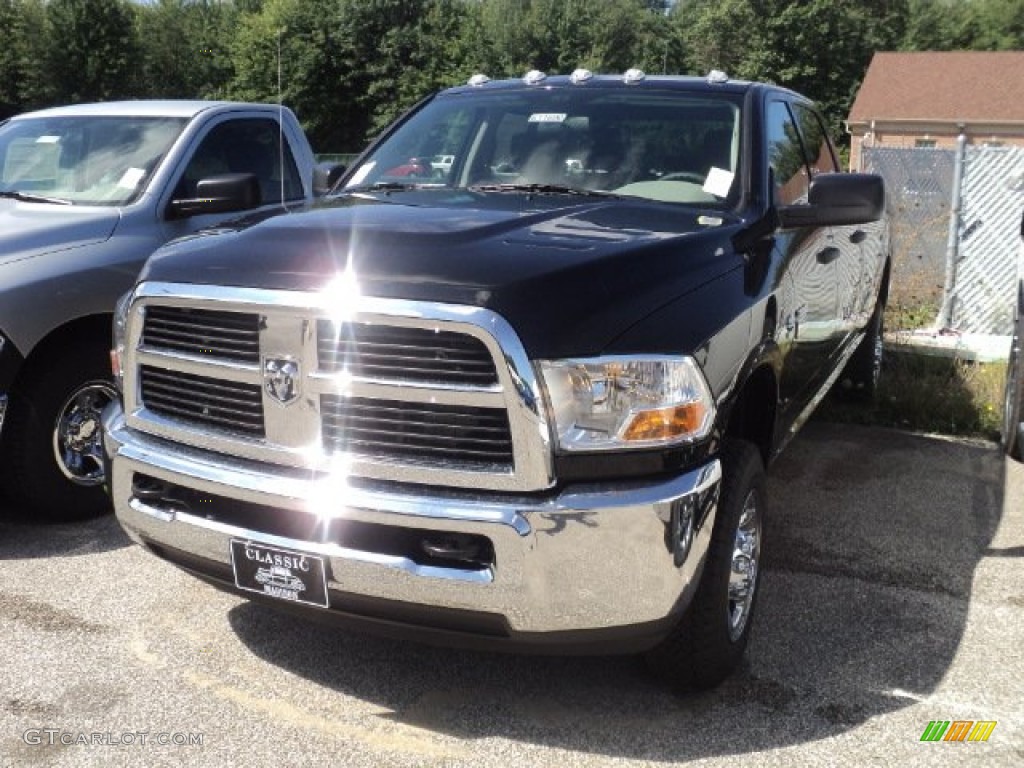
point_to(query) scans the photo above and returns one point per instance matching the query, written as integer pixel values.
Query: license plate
(280, 573)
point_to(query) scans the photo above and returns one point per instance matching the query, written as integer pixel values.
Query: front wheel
(708, 643)
(52, 442)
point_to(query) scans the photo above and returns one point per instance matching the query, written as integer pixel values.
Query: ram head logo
(281, 379)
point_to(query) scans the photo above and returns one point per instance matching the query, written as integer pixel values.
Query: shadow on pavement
(872, 541)
(21, 539)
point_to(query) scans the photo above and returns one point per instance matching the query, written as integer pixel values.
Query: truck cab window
(816, 144)
(245, 146)
(785, 156)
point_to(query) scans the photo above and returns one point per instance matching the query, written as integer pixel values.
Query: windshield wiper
(387, 186)
(542, 189)
(28, 197)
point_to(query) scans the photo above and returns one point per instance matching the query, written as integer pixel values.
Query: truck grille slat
(396, 426)
(413, 417)
(429, 431)
(203, 401)
(213, 393)
(437, 452)
(405, 354)
(216, 333)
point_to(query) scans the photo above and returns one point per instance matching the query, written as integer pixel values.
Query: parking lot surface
(893, 597)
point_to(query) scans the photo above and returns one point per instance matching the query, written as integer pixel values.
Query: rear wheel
(52, 441)
(860, 377)
(708, 643)
(1013, 401)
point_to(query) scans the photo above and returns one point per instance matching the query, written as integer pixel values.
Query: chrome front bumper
(589, 558)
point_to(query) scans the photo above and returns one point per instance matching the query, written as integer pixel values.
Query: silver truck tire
(52, 438)
(709, 641)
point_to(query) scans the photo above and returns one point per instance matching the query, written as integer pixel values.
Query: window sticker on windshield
(548, 117)
(130, 179)
(718, 182)
(362, 173)
(48, 140)
(25, 161)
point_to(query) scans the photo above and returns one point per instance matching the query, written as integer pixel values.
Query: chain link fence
(955, 231)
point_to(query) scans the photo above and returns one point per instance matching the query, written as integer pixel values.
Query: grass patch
(910, 316)
(925, 393)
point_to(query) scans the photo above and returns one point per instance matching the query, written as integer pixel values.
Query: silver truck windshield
(665, 146)
(82, 160)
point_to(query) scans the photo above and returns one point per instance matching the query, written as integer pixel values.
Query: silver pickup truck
(87, 192)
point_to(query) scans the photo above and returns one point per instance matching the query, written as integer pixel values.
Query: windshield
(83, 160)
(669, 146)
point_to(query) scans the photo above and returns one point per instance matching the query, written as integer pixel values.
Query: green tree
(817, 47)
(302, 52)
(11, 43)
(183, 44)
(91, 50)
(23, 83)
(987, 25)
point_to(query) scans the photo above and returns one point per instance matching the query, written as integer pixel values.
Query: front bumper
(591, 567)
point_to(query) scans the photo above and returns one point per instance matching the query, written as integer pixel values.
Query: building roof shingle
(943, 86)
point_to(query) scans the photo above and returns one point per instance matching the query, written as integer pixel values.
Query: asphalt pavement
(893, 597)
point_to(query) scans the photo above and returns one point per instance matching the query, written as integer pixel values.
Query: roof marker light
(580, 76)
(634, 75)
(534, 76)
(479, 79)
(717, 76)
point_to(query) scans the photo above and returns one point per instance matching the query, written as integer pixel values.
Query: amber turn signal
(666, 423)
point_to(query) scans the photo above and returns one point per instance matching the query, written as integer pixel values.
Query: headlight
(119, 334)
(610, 403)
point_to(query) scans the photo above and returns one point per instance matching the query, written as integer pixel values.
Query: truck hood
(569, 278)
(31, 229)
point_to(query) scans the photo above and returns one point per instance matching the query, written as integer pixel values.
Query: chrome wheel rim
(743, 573)
(78, 434)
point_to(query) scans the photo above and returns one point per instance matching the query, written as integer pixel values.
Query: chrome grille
(441, 433)
(226, 335)
(222, 405)
(404, 354)
(406, 391)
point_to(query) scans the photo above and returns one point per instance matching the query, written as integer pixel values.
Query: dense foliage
(348, 67)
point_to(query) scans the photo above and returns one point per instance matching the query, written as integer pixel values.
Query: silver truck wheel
(52, 440)
(746, 555)
(708, 642)
(78, 434)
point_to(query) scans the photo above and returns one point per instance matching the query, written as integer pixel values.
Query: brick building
(928, 98)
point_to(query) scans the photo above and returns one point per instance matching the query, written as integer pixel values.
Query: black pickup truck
(523, 399)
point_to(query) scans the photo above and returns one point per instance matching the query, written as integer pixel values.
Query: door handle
(828, 255)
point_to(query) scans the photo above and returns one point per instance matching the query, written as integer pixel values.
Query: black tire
(708, 643)
(859, 380)
(75, 385)
(1013, 399)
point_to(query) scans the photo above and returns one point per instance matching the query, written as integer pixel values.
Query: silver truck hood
(31, 229)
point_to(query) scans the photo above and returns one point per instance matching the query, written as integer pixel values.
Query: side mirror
(325, 176)
(224, 193)
(835, 199)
